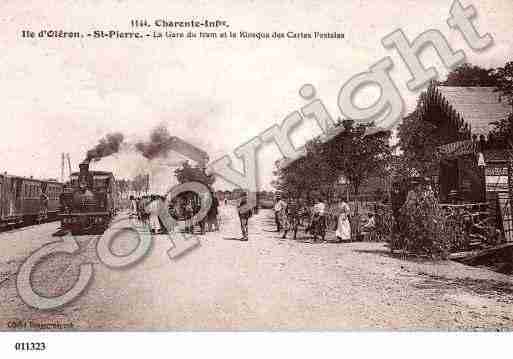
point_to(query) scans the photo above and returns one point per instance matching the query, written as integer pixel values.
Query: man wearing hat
(244, 214)
(279, 207)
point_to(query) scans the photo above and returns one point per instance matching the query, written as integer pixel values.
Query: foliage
(470, 75)
(504, 80)
(188, 173)
(418, 141)
(303, 176)
(350, 154)
(423, 228)
(502, 132)
(356, 155)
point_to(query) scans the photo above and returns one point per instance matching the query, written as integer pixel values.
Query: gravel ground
(265, 284)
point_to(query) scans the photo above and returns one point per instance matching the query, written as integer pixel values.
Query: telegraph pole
(62, 167)
(69, 164)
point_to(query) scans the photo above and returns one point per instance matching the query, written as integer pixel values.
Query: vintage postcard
(256, 166)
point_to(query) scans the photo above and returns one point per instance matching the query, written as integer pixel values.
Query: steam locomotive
(25, 201)
(89, 201)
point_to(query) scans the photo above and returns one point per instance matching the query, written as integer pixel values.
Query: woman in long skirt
(343, 232)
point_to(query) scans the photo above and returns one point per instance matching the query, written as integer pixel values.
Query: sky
(63, 95)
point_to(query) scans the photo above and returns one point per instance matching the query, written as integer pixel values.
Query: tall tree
(503, 130)
(353, 154)
(306, 175)
(504, 80)
(358, 155)
(467, 75)
(418, 141)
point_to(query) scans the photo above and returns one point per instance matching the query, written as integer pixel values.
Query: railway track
(24, 228)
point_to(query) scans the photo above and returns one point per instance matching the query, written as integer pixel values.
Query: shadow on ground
(501, 291)
(385, 252)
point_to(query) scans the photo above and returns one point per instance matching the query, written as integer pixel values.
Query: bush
(424, 229)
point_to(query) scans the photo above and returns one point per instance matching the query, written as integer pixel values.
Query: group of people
(147, 208)
(291, 213)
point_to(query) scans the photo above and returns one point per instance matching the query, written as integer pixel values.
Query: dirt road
(267, 283)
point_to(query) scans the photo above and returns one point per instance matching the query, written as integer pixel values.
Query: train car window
(17, 188)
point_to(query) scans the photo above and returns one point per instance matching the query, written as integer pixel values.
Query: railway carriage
(25, 201)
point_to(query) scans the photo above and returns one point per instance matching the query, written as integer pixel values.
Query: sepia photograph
(256, 166)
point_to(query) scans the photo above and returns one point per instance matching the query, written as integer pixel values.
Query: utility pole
(69, 164)
(62, 167)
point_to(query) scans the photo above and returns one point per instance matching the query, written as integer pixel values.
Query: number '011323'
(30, 346)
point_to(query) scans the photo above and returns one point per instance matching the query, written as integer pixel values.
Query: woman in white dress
(343, 232)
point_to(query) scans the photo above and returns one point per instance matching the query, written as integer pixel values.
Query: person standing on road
(244, 215)
(43, 215)
(291, 218)
(133, 207)
(143, 213)
(343, 231)
(153, 208)
(212, 223)
(279, 208)
(318, 220)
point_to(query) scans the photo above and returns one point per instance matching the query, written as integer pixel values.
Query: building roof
(478, 106)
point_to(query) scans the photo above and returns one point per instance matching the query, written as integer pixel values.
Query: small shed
(472, 167)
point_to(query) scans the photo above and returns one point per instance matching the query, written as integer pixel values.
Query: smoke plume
(107, 146)
(161, 142)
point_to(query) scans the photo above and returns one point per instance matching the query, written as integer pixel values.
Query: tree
(418, 141)
(504, 80)
(305, 175)
(503, 129)
(502, 133)
(357, 155)
(188, 173)
(467, 75)
(351, 154)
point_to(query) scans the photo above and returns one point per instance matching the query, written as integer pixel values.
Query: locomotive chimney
(84, 167)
